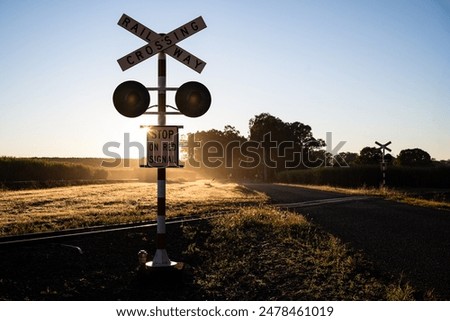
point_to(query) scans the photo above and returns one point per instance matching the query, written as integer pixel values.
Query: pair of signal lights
(131, 99)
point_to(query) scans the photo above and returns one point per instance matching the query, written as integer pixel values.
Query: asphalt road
(398, 238)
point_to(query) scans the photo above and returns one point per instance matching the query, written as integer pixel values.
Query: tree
(283, 145)
(369, 155)
(218, 152)
(349, 158)
(414, 157)
(306, 145)
(263, 124)
(268, 131)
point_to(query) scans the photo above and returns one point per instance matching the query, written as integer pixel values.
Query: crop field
(40, 210)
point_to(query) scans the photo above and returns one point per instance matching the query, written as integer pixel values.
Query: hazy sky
(363, 70)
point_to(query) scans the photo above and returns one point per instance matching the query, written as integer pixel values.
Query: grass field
(252, 252)
(435, 198)
(53, 209)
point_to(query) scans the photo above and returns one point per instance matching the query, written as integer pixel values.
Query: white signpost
(161, 42)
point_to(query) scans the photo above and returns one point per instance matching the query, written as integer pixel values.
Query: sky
(365, 71)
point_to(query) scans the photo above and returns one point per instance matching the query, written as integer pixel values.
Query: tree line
(275, 146)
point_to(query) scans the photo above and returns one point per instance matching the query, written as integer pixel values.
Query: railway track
(33, 238)
(72, 233)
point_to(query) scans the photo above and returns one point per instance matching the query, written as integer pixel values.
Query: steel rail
(71, 233)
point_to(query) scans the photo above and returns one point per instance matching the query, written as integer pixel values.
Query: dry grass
(262, 253)
(392, 194)
(71, 207)
(253, 253)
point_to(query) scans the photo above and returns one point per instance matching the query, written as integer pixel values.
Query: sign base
(160, 260)
(153, 265)
(164, 278)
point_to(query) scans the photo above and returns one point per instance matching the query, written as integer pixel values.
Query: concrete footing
(166, 277)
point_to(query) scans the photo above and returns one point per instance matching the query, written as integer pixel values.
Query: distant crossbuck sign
(161, 43)
(384, 146)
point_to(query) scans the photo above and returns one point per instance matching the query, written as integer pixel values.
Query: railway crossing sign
(384, 147)
(161, 43)
(131, 99)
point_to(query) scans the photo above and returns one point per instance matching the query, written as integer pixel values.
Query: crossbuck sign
(384, 147)
(161, 42)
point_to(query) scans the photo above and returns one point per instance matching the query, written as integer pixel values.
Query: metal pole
(161, 259)
(383, 168)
